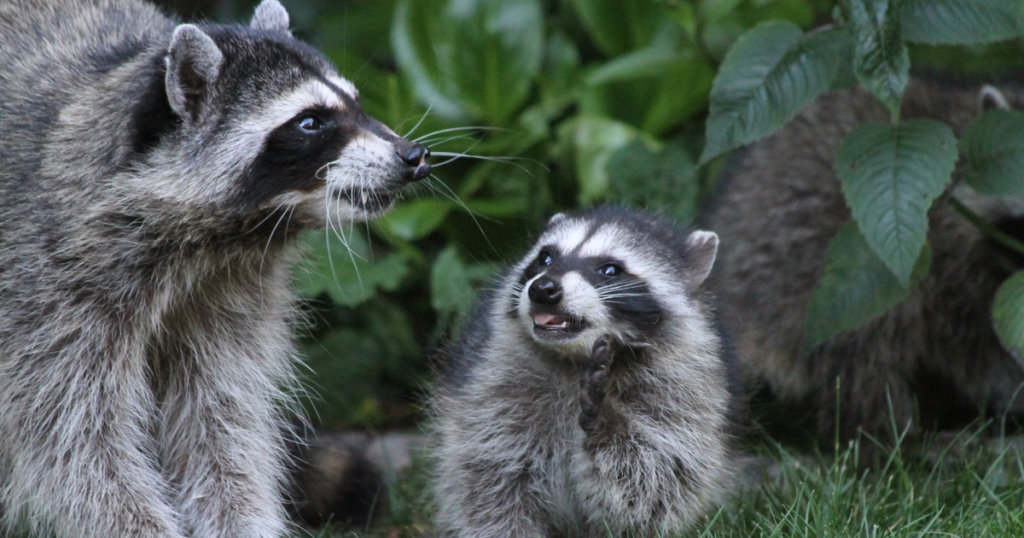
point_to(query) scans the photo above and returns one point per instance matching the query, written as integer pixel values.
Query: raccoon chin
(368, 203)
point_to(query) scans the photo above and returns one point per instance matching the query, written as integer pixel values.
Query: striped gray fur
(153, 177)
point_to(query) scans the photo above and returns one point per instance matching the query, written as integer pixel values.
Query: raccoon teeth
(366, 196)
(549, 321)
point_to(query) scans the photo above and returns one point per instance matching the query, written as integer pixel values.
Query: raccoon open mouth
(369, 200)
(556, 325)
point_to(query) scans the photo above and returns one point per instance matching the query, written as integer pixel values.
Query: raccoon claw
(594, 383)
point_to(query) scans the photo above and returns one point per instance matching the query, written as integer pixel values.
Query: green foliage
(767, 77)
(340, 264)
(583, 101)
(961, 21)
(477, 59)
(881, 59)
(890, 175)
(994, 147)
(1008, 315)
(855, 288)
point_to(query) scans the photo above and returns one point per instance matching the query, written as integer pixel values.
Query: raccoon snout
(416, 157)
(545, 291)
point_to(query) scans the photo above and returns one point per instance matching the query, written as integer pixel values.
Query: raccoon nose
(416, 157)
(545, 291)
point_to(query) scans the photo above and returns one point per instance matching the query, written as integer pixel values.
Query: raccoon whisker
(506, 160)
(445, 140)
(417, 126)
(455, 197)
(260, 223)
(327, 235)
(612, 289)
(263, 257)
(465, 128)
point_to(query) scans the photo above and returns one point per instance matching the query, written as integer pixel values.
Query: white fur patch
(311, 94)
(345, 85)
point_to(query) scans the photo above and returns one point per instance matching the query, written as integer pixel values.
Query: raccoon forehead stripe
(344, 85)
(608, 241)
(311, 94)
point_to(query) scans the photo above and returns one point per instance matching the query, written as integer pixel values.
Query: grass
(976, 492)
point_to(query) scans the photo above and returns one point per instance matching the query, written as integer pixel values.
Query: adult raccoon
(151, 176)
(591, 393)
(935, 354)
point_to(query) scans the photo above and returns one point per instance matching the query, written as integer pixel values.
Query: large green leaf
(655, 88)
(768, 75)
(474, 57)
(617, 26)
(855, 288)
(1008, 315)
(961, 21)
(994, 147)
(344, 266)
(890, 176)
(881, 60)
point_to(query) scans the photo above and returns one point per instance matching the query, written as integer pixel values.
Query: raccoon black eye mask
(153, 177)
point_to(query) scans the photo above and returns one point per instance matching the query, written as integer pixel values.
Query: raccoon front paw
(594, 383)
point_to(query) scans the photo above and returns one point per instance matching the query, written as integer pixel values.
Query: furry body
(151, 175)
(780, 205)
(578, 401)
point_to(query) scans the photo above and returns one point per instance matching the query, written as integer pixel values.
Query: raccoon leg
(75, 427)
(593, 389)
(489, 484)
(645, 468)
(222, 439)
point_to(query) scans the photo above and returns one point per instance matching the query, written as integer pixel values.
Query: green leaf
(994, 148)
(416, 219)
(1008, 315)
(618, 27)
(637, 64)
(881, 60)
(453, 282)
(768, 76)
(890, 176)
(594, 140)
(855, 288)
(662, 179)
(961, 21)
(347, 270)
(475, 58)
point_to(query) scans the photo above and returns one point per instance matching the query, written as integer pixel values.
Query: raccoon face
(270, 126)
(603, 273)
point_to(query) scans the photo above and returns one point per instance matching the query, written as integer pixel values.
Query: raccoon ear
(990, 98)
(193, 63)
(555, 218)
(271, 16)
(702, 247)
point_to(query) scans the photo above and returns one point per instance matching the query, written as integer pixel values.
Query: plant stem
(997, 235)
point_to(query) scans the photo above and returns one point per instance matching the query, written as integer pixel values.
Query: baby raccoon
(933, 356)
(153, 177)
(589, 393)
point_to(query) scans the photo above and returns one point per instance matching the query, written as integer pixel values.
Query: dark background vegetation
(579, 100)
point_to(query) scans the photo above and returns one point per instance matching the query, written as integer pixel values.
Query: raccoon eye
(610, 269)
(544, 258)
(310, 124)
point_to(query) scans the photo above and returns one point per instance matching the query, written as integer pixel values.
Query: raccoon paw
(594, 383)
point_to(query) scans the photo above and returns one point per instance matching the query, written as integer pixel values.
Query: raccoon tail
(338, 478)
(333, 481)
